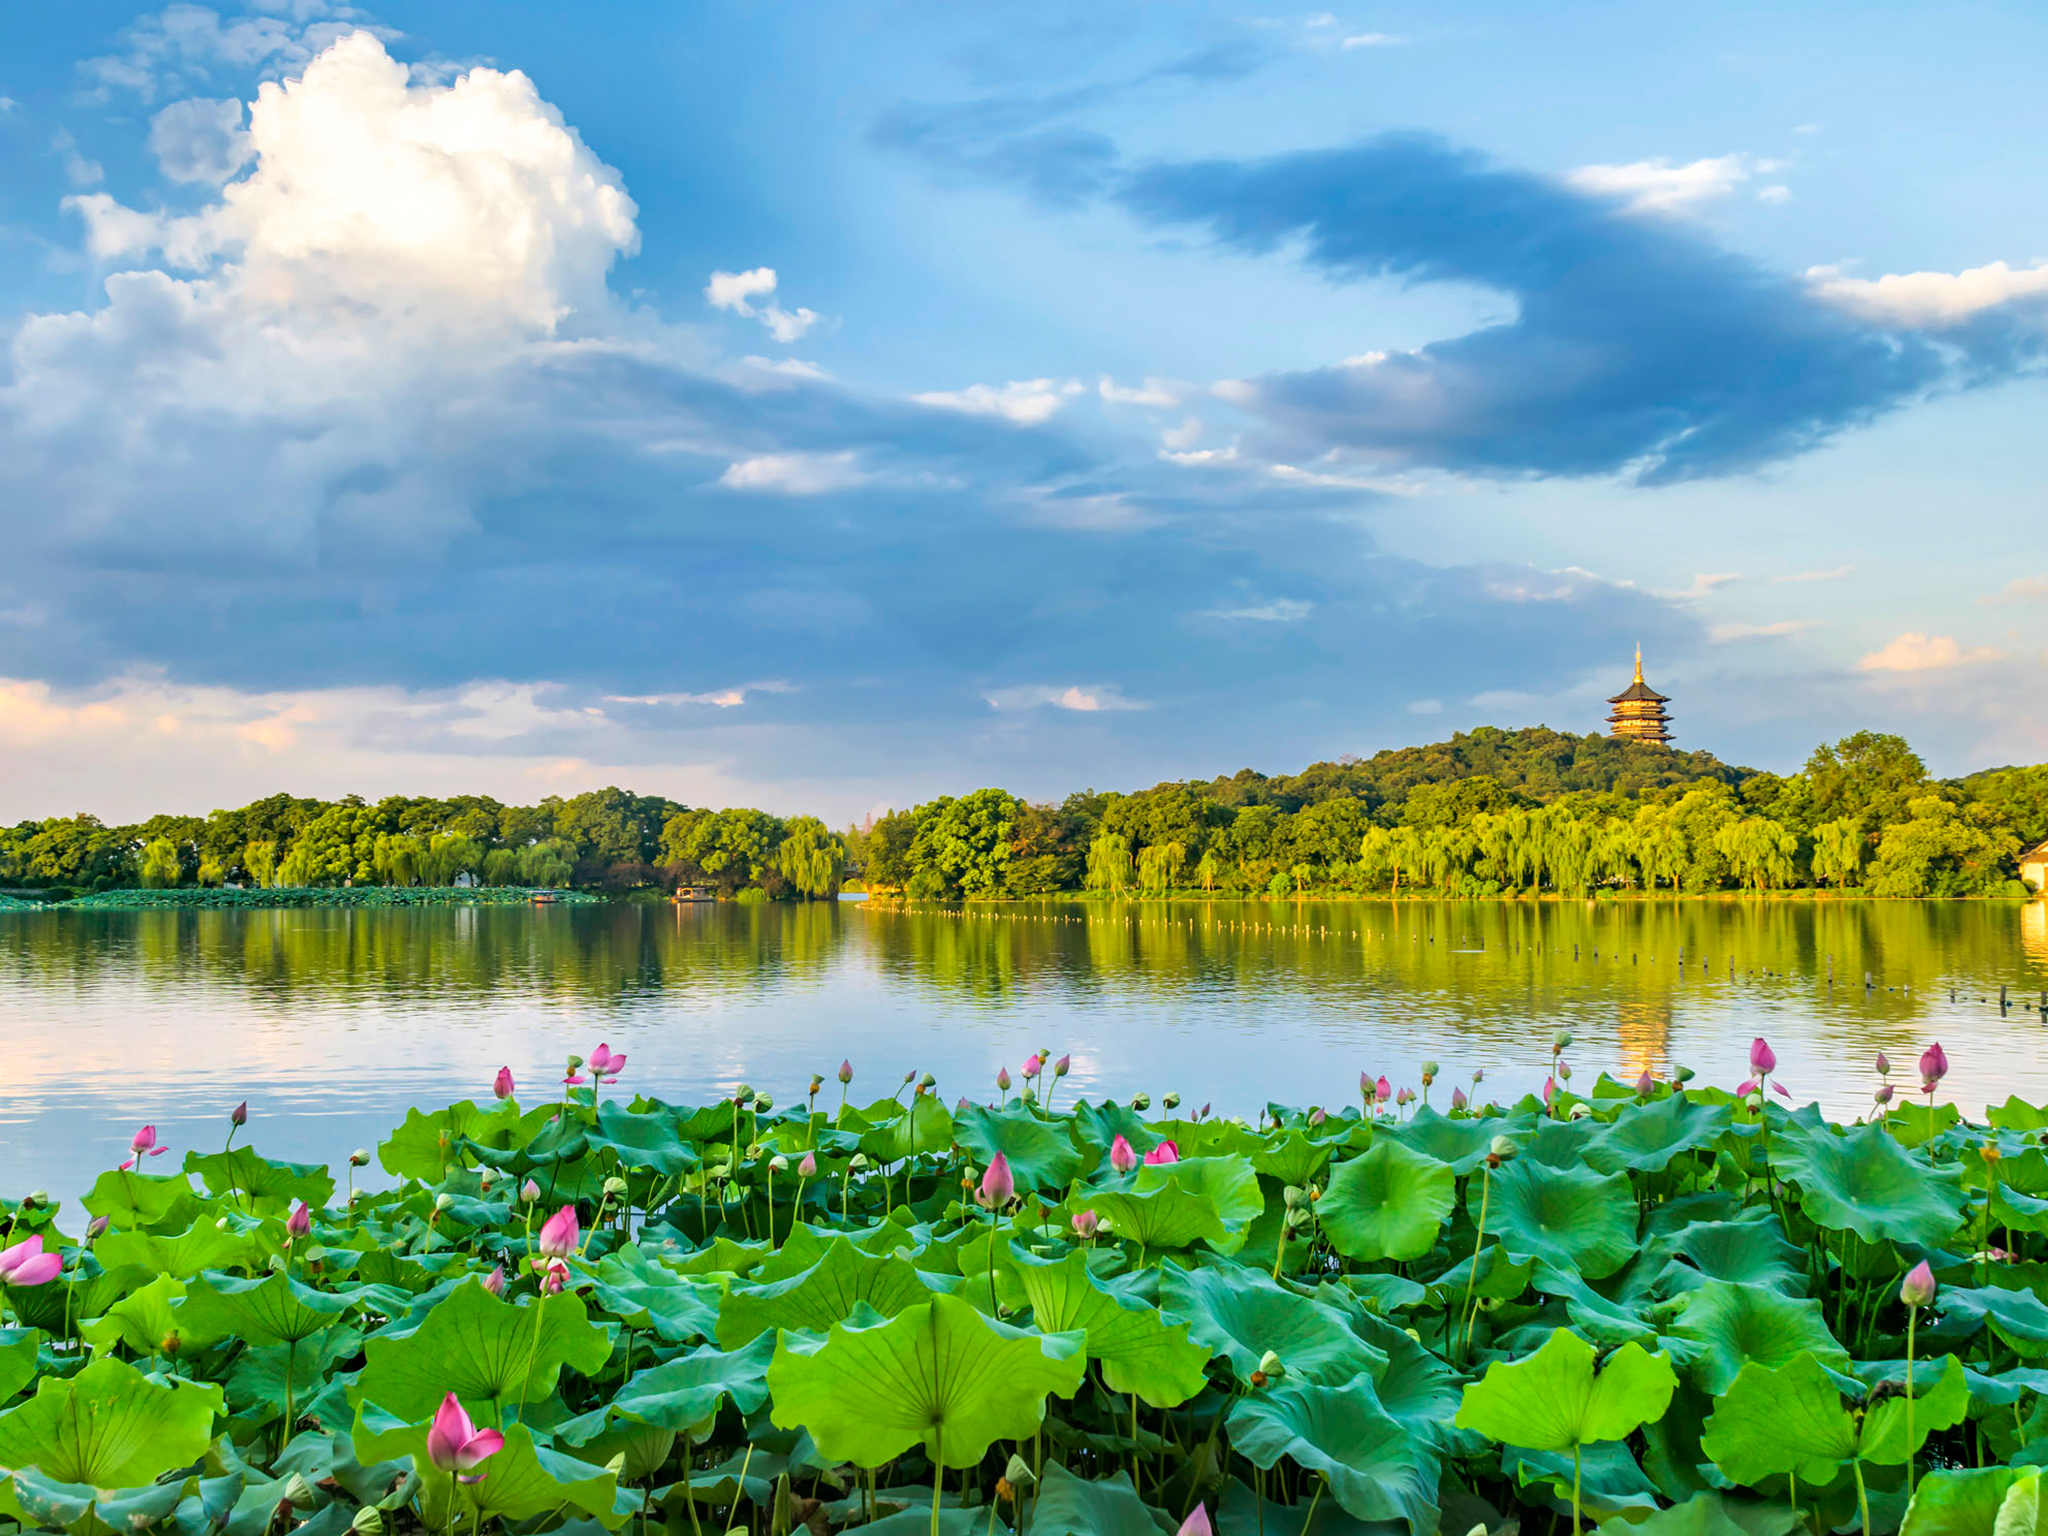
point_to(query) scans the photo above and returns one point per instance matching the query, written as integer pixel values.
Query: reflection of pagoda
(1639, 709)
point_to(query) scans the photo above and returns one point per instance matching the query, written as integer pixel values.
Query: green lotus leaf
(1140, 1351)
(1562, 1143)
(1376, 1469)
(1240, 1511)
(87, 1511)
(141, 1320)
(258, 1183)
(2017, 1317)
(682, 1393)
(2018, 1211)
(1417, 1390)
(1864, 1182)
(1793, 1419)
(822, 1295)
(1291, 1157)
(924, 1127)
(1604, 1320)
(262, 1372)
(1610, 1481)
(1971, 1502)
(1463, 1143)
(1573, 1219)
(1500, 1278)
(485, 1350)
(200, 1246)
(1751, 1250)
(1713, 1514)
(1241, 1314)
(1066, 1505)
(1041, 1153)
(1388, 1203)
(1941, 1397)
(18, 1350)
(1097, 1126)
(425, 1145)
(1914, 1125)
(937, 1374)
(643, 1292)
(643, 1141)
(277, 1309)
(1647, 1137)
(1554, 1399)
(521, 1481)
(1730, 1326)
(77, 1295)
(129, 1200)
(1176, 1205)
(109, 1426)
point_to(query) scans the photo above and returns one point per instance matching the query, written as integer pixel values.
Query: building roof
(1639, 690)
(2038, 851)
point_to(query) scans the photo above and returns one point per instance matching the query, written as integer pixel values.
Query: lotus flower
(1918, 1288)
(605, 1062)
(1745, 1088)
(1933, 1066)
(454, 1444)
(1781, 1090)
(529, 1192)
(997, 1186)
(26, 1264)
(1086, 1223)
(1549, 1091)
(300, 1222)
(494, 1282)
(1883, 1094)
(1122, 1156)
(239, 1115)
(1645, 1085)
(845, 1073)
(503, 1086)
(1197, 1523)
(1165, 1152)
(143, 1144)
(1033, 1065)
(560, 1233)
(1382, 1090)
(808, 1168)
(555, 1278)
(1763, 1061)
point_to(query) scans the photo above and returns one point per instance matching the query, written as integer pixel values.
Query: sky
(827, 406)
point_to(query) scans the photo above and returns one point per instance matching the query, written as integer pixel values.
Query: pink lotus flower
(808, 1168)
(1763, 1061)
(143, 1144)
(606, 1062)
(1745, 1088)
(560, 1234)
(25, 1264)
(573, 1079)
(494, 1282)
(1165, 1152)
(300, 1222)
(997, 1186)
(1646, 1084)
(1383, 1090)
(503, 1086)
(1781, 1090)
(1918, 1288)
(1033, 1066)
(845, 1073)
(1549, 1091)
(1122, 1156)
(1086, 1223)
(1933, 1066)
(454, 1444)
(1197, 1523)
(555, 1278)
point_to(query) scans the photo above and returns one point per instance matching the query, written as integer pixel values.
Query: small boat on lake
(687, 893)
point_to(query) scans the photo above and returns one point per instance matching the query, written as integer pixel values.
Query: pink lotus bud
(1033, 1065)
(1918, 1288)
(1383, 1090)
(555, 1278)
(1933, 1064)
(997, 1187)
(1003, 1078)
(1549, 1091)
(494, 1282)
(144, 1143)
(1458, 1099)
(25, 1264)
(1883, 1094)
(529, 1192)
(1122, 1156)
(239, 1115)
(1316, 1116)
(1763, 1061)
(1060, 1067)
(97, 1228)
(1165, 1152)
(454, 1444)
(1405, 1097)
(845, 1072)
(808, 1168)
(1646, 1084)
(560, 1233)
(1197, 1523)
(503, 1086)
(1478, 1076)
(1365, 1085)
(300, 1222)
(1085, 1223)
(1884, 1067)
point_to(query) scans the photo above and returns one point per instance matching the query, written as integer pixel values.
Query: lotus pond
(1653, 1305)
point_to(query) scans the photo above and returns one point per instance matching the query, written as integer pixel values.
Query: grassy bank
(207, 898)
(1654, 1304)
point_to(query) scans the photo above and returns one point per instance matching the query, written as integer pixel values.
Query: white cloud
(1280, 610)
(1324, 480)
(1774, 194)
(185, 43)
(1027, 402)
(1371, 40)
(1090, 698)
(1728, 634)
(1914, 652)
(1931, 301)
(736, 291)
(724, 698)
(1705, 582)
(8, 103)
(78, 170)
(1186, 435)
(1658, 186)
(1156, 392)
(1426, 707)
(2021, 589)
(1833, 573)
(201, 140)
(1192, 456)
(794, 474)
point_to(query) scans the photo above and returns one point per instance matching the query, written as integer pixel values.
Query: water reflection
(331, 1021)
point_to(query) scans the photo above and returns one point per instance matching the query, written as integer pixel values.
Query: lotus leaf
(1463, 1143)
(109, 1426)
(1388, 1203)
(521, 1481)
(1793, 1419)
(1175, 1205)
(1572, 1219)
(1139, 1350)
(1647, 1138)
(1863, 1181)
(1729, 1326)
(1241, 1314)
(1555, 1399)
(642, 1140)
(1066, 1505)
(1041, 1154)
(642, 1291)
(682, 1393)
(276, 1309)
(1376, 1469)
(822, 1295)
(1971, 1501)
(484, 1349)
(259, 1184)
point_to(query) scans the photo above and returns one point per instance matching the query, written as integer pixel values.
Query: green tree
(1759, 851)
(160, 866)
(1838, 851)
(966, 843)
(1942, 850)
(1109, 862)
(1871, 777)
(260, 860)
(811, 858)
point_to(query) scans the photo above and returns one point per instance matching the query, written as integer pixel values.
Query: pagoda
(1639, 710)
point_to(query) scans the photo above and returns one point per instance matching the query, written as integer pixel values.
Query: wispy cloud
(1659, 186)
(794, 474)
(2022, 589)
(1027, 402)
(1832, 573)
(1091, 698)
(1728, 634)
(1915, 652)
(1280, 610)
(1934, 301)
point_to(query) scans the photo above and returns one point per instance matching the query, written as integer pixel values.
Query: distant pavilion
(1639, 710)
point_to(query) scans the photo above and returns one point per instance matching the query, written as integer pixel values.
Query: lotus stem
(1314, 1500)
(938, 1473)
(1912, 1317)
(1466, 1315)
(1862, 1494)
(1575, 1488)
(740, 1491)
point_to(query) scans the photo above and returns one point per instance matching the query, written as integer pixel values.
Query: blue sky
(829, 406)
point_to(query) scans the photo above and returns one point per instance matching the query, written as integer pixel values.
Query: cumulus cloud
(1157, 392)
(736, 292)
(184, 43)
(1658, 186)
(2021, 589)
(1027, 402)
(1915, 652)
(794, 474)
(1934, 301)
(201, 140)
(1090, 698)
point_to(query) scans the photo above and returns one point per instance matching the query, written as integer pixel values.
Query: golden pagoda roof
(1639, 691)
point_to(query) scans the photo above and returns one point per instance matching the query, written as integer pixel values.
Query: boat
(688, 893)
(545, 898)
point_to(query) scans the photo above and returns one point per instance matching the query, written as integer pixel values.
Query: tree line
(1486, 813)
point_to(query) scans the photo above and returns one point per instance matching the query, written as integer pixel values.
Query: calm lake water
(331, 1022)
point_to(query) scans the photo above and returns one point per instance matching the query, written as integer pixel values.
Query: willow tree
(812, 858)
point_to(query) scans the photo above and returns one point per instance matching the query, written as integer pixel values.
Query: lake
(330, 1023)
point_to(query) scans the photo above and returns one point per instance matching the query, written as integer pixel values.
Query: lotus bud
(1501, 1150)
(368, 1521)
(1061, 1067)
(1018, 1473)
(1884, 1067)
(1316, 1116)
(763, 1102)
(96, 1228)
(555, 1279)
(1564, 1071)
(1478, 1076)
(1271, 1364)
(502, 1084)
(1365, 1085)
(1404, 1098)
(1933, 1065)
(529, 1192)
(1003, 1079)
(1645, 1085)
(778, 1164)
(1883, 1094)
(1382, 1090)
(1202, 1113)
(997, 1185)
(1141, 1102)
(444, 1201)
(297, 1490)
(1171, 1101)
(909, 1078)
(1165, 1152)
(1918, 1288)
(300, 1222)
(1197, 1523)
(808, 1168)
(560, 1234)
(239, 1115)
(1458, 1099)
(494, 1282)
(845, 1073)
(360, 1158)
(1763, 1061)
(1085, 1223)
